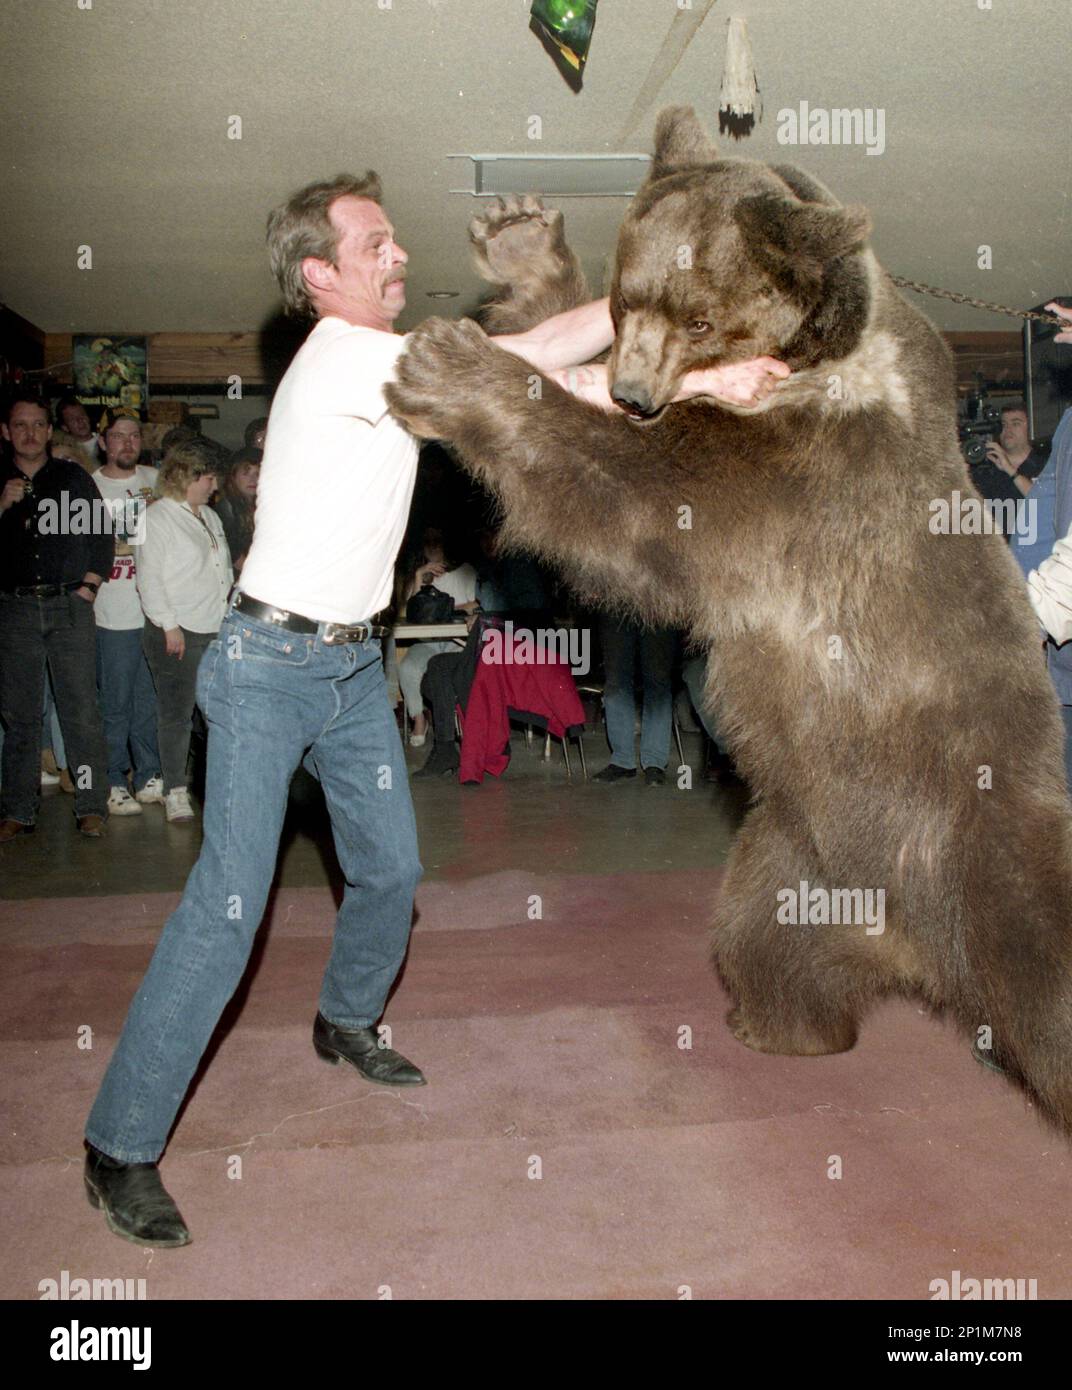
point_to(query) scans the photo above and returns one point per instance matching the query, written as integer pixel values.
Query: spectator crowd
(115, 575)
(102, 627)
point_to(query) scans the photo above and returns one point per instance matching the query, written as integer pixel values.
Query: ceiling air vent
(556, 175)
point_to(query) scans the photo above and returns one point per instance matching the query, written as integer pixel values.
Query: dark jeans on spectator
(128, 706)
(176, 695)
(443, 689)
(62, 633)
(624, 644)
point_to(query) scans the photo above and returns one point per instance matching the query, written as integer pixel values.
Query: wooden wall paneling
(179, 359)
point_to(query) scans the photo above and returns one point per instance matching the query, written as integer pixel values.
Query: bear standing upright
(880, 682)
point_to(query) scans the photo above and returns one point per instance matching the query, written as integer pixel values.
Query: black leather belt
(335, 634)
(45, 590)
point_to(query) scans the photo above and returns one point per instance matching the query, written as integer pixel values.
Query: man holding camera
(1010, 465)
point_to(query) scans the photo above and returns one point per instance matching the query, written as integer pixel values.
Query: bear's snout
(633, 398)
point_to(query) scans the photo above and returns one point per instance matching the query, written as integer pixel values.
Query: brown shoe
(91, 825)
(9, 829)
(66, 782)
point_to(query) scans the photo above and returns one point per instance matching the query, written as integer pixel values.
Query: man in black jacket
(56, 548)
(1011, 464)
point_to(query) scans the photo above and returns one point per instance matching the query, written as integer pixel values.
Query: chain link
(904, 284)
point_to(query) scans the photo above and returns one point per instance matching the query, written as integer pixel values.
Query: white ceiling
(113, 134)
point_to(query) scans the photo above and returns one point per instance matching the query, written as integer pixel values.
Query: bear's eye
(698, 328)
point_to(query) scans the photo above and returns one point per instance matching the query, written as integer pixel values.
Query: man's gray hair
(301, 227)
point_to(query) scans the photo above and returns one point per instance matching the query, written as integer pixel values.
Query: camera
(980, 427)
(973, 444)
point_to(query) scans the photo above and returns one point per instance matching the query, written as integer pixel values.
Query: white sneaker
(152, 794)
(121, 803)
(49, 779)
(177, 805)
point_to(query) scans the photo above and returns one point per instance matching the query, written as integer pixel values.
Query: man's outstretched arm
(565, 340)
(739, 383)
(559, 345)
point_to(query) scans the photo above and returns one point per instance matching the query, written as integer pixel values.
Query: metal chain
(904, 284)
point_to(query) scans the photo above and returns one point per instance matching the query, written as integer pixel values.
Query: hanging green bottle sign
(568, 23)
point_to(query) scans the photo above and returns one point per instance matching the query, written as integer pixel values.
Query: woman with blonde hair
(184, 577)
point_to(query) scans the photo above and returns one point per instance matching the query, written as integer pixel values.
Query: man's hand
(428, 574)
(89, 587)
(1065, 335)
(738, 383)
(13, 493)
(174, 642)
(741, 383)
(996, 454)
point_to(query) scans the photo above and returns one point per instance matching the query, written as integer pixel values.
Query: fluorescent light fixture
(556, 175)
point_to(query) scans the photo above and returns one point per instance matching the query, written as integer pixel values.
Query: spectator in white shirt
(127, 701)
(184, 576)
(449, 577)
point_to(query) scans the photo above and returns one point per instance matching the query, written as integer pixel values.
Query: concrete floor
(555, 1041)
(533, 818)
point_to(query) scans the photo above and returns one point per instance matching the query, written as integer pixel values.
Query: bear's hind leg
(798, 990)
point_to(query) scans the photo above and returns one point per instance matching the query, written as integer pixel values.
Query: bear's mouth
(639, 418)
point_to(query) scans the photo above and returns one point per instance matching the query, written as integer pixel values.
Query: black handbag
(430, 605)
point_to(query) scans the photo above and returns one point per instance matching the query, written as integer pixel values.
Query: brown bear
(880, 682)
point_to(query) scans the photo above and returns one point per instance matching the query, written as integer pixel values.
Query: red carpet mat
(566, 1146)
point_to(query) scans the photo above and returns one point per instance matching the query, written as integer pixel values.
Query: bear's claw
(517, 238)
(433, 374)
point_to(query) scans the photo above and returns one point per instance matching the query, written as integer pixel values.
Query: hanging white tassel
(739, 87)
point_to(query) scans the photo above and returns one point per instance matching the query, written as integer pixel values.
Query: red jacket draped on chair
(502, 684)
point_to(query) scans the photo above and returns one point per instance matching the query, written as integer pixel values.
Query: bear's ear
(801, 238)
(807, 189)
(680, 142)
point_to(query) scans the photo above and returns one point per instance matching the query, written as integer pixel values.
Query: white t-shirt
(117, 605)
(336, 480)
(459, 583)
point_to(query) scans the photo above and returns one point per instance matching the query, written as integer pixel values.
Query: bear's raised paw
(517, 239)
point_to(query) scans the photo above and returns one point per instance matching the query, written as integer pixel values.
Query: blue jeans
(128, 706)
(622, 645)
(270, 698)
(694, 676)
(1066, 715)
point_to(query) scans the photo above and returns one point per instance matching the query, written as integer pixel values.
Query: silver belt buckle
(338, 634)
